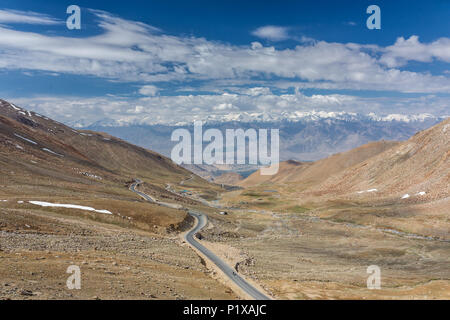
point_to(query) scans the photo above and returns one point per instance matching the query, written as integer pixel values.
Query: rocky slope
(419, 167)
(312, 173)
(44, 160)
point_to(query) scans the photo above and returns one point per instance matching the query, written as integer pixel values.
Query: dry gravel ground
(300, 257)
(290, 255)
(37, 247)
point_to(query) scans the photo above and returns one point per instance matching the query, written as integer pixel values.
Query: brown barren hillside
(286, 169)
(64, 200)
(418, 167)
(403, 186)
(28, 134)
(311, 173)
(44, 160)
(229, 178)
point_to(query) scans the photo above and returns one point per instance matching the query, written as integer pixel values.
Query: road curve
(227, 270)
(189, 237)
(143, 195)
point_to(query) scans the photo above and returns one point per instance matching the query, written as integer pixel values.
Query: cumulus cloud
(412, 49)
(224, 106)
(148, 90)
(136, 110)
(257, 91)
(273, 33)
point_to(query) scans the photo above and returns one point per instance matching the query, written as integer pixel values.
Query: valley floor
(290, 255)
(300, 257)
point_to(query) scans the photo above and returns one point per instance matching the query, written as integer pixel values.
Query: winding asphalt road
(227, 270)
(202, 220)
(143, 195)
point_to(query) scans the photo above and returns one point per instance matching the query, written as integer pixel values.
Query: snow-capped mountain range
(303, 135)
(246, 117)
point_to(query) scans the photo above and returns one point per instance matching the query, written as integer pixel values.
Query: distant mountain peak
(262, 117)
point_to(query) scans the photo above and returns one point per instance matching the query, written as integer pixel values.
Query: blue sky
(169, 61)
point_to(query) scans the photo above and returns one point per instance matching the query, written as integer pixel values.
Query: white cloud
(412, 49)
(224, 106)
(149, 90)
(307, 40)
(133, 51)
(273, 33)
(257, 91)
(26, 17)
(136, 110)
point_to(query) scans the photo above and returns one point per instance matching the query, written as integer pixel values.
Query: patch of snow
(19, 147)
(370, 190)
(90, 175)
(70, 206)
(103, 211)
(29, 113)
(14, 107)
(421, 193)
(402, 117)
(3, 200)
(406, 196)
(20, 202)
(23, 138)
(52, 152)
(21, 112)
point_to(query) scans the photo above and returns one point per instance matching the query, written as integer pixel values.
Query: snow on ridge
(23, 138)
(14, 107)
(52, 152)
(407, 196)
(103, 211)
(248, 117)
(69, 206)
(369, 191)
(444, 129)
(406, 118)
